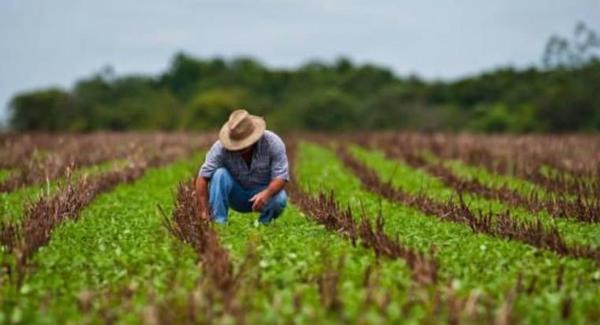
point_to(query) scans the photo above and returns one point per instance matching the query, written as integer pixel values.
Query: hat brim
(259, 128)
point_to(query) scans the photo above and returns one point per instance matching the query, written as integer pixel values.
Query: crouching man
(246, 169)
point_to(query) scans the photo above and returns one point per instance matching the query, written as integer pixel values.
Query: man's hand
(205, 215)
(260, 199)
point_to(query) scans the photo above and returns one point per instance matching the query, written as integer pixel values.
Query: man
(247, 169)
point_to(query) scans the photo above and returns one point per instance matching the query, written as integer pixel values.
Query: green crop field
(379, 228)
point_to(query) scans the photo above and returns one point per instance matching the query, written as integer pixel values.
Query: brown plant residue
(221, 282)
(38, 159)
(575, 157)
(583, 208)
(42, 216)
(325, 210)
(496, 224)
(426, 290)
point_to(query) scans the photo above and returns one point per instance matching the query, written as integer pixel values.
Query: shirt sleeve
(213, 160)
(279, 160)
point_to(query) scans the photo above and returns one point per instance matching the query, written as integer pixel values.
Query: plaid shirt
(269, 161)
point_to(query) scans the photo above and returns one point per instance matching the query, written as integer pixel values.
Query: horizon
(63, 47)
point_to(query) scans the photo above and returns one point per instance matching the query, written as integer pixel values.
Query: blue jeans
(224, 191)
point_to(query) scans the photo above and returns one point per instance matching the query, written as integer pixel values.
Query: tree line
(198, 94)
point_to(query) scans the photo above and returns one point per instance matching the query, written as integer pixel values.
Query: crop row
(237, 292)
(379, 259)
(496, 224)
(42, 216)
(326, 210)
(560, 164)
(397, 171)
(220, 284)
(15, 149)
(480, 261)
(151, 153)
(117, 246)
(368, 292)
(582, 208)
(35, 164)
(20, 240)
(13, 204)
(195, 302)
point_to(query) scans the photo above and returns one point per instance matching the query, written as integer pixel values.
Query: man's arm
(260, 199)
(202, 196)
(279, 174)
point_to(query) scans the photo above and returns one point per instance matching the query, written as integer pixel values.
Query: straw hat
(241, 130)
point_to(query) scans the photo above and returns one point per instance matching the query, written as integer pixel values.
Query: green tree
(209, 109)
(329, 110)
(47, 110)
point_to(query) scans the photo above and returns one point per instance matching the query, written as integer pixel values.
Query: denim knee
(279, 201)
(281, 198)
(220, 174)
(221, 181)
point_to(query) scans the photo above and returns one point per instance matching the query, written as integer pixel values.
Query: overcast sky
(53, 43)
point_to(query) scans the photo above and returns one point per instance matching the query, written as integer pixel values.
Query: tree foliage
(198, 94)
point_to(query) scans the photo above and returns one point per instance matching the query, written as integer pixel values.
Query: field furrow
(495, 222)
(220, 283)
(404, 177)
(378, 228)
(113, 247)
(561, 165)
(300, 276)
(326, 210)
(93, 149)
(13, 204)
(16, 148)
(478, 261)
(522, 187)
(581, 208)
(42, 216)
